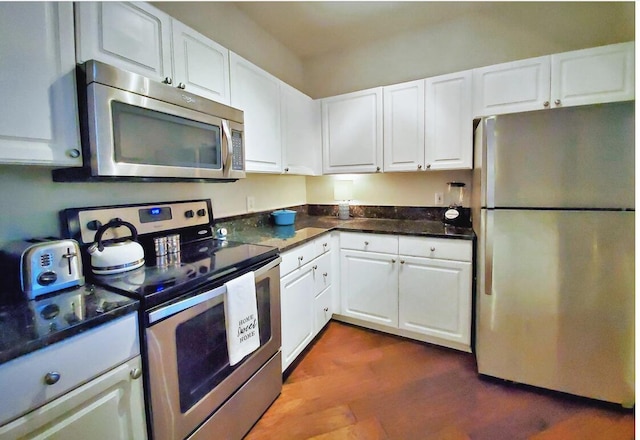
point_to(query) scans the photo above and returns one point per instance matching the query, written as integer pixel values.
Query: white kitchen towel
(241, 314)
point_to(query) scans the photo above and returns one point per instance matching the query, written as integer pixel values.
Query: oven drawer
(76, 361)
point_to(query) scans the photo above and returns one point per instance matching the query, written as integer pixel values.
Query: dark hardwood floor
(359, 384)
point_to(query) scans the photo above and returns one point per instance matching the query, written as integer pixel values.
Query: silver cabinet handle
(428, 165)
(545, 104)
(325, 274)
(167, 80)
(366, 243)
(300, 258)
(51, 377)
(433, 248)
(393, 261)
(557, 102)
(401, 261)
(419, 167)
(377, 168)
(74, 153)
(324, 245)
(182, 86)
(326, 309)
(286, 170)
(315, 267)
(135, 373)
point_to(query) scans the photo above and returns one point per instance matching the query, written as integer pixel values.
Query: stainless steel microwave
(134, 127)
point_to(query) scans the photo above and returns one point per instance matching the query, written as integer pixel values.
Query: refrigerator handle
(490, 161)
(488, 253)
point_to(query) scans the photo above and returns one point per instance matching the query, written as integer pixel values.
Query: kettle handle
(114, 224)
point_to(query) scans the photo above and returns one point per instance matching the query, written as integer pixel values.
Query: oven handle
(185, 304)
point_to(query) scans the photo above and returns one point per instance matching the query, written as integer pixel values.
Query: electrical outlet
(439, 199)
(251, 204)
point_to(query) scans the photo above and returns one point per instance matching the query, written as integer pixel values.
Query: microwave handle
(227, 146)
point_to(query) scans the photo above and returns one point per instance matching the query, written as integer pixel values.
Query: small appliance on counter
(116, 255)
(41, 265)
(456, 214)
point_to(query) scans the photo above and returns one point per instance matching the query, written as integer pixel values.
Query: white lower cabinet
(88, 386)
(415, 287)
(110, 407)
(306, 295)
(296, 297)
(434, 298)
(369, 286)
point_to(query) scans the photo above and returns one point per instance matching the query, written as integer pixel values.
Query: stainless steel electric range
(192, 389)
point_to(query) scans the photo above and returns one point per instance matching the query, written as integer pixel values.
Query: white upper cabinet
(404, 126)
(590, 76)
(301, 139)
(512, 87)
(352, 132)
(449, 122)
(39, 123)
(257, 93)
(200, 65)
(581, 77)
(132, 36)
(428, 124)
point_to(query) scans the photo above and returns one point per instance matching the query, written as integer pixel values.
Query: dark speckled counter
(308, 227)
(26, 326)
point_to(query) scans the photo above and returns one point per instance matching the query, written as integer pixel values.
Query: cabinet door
(449, 122)
(369, 286)
(132, 36)
(200, 64)
(258, 94)
(352, 132)
(301, 144)
(297, 295)
(39, 123)
(404, 134)
(435, 298)
(322, 272)
(106, 408)
(323, 309)
(592, 76)
(513, 87)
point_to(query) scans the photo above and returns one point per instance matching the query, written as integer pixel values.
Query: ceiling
(312, 28)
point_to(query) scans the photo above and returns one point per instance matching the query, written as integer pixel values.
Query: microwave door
(136, 136)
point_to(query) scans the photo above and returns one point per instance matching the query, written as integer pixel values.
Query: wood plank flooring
(363, 385)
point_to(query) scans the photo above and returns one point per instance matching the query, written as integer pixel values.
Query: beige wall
(391, 189)
(230, 27)
(522, 30)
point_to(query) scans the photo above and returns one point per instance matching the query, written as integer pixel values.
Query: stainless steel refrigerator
(553, 209)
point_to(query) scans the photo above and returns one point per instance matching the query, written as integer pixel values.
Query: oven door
(132, 135)
(189, 371)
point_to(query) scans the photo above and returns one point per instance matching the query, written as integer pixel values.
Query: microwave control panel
(236, 146)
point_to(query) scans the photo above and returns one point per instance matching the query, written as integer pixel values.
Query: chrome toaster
(42, 265)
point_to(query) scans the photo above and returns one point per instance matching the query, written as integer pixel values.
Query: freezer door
(578, 157)
(557, 309)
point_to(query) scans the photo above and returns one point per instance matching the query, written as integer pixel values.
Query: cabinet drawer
(323, 244)
(322, 272)
(442, 248)
(369, 242)
(77, 360)
(297, 257)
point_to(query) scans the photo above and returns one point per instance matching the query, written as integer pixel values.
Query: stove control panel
(147, 218)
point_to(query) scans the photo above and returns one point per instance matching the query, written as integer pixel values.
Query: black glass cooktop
(175, 275)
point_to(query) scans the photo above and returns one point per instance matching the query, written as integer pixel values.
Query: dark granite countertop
(26, 326)
(308, 227)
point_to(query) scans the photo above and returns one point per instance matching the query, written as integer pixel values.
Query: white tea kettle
(115, 256)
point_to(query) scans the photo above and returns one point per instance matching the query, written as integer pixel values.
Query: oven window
(201, 348)
(143, 136)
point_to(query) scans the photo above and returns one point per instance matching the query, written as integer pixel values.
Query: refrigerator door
(556, 300)
(577, 157)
